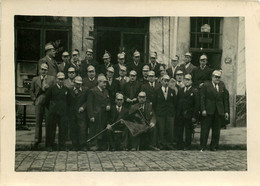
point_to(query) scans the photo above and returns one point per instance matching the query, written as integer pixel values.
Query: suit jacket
(200, 76)
(57, 100)
(84, 66)
(113, 89)
(188, 103)
(53, 66)
(213, 101)
(164, 107)
(103, 68)
(97, 101)
(89, 84)
(75, 101)
(69, 84)
(122, 81)
(142, 81)
(36, 88)
(61, 66)
(131, 89)
(148, 113)
(150, 91)
(138, 68)
(173, 74)
(156, 68)
(117, 68)
(190, 68)
(114, 115)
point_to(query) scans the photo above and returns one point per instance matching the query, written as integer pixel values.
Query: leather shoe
(153, 148)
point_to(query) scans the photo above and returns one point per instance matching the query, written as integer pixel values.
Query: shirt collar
(163, 89)
(186, 66)
(58, 86)
(80, 88)
(43, 77)
(100, 89)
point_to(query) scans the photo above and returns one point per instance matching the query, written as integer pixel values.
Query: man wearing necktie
(164, 104)
(40, 85)
(136, 65)
(123, 79)
(214, 108)
(107, 63)
(69, 82)
(91, 80)
(112, 85)
(154, 65)
(53, 68)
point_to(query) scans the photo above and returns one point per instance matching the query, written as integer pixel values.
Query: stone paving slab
(124, 161)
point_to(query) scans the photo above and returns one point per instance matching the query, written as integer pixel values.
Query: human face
(119, 102)
(78, 85)
(203, 62)
(121, 61)
(106, 60)
(145, 73)
(43, 72)
(122, 73)
(187, 59)
(60, 81)
(165, 82)
(163, 72)
(102, 84)
(71, 74)
(65, 58)
(75, 57)
(215, 79)
(52, 53)
(187, 82)
(136, 59)
(142, 99)
(179, 77)
(174, 63)
(91, 74)
(132, 77)
(151, 78)
(153, 59)
(110, 74)
(89, 56)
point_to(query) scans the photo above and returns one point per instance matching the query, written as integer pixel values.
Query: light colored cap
(121, 56)
(153, 54)
(90, 68)
(151, 73)
(187, 76)
(188, 54)
(89, 50)
(60, 75)
(44, 66)
(175, 59)
(101, 78)
(216, 73)
(48, 46)
(119, 96)
(71, 69)
(75, 52)
(179, 72)
(136, 53)
(65, 53)
(110, 69)
(142, 94)
(203, 57)
(133, 72)
(123, 68)
(78, 80)
(166, 77)
(146, 67)
(106, 55)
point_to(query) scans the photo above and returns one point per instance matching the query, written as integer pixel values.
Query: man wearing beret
(112, 86)
(56, 99)
(98, 106)
(187, 112)
(40, 85)
(87, 62)
(189, 67)
(214, 109)
(91, 80)
(49, 60)
(179, 79)
(154, 65)
(136, 65)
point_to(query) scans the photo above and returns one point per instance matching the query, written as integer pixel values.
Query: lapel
(213, 88)
(38, 81)
(99, 92)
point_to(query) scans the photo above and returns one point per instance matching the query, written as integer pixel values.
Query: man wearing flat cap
(189, 67)
(145, 71)
(56, 100)
(107, 63)
(154, 65)
(214, 109)
(76, 62)
(112, 86)
(131, 89)
(187, 112)
(122, 79)
(40, 85)
(91, 80)
(49, 60)
(69, 82)
(121, 63)
(164, 104)
(98, 105)
(136, 65)
(87, 62)
(175, 66)
(77, 102)
(64, 65)
(179, 79)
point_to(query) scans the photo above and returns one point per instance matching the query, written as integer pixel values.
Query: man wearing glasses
(87, 62)
(69, 82)
(63, 67)
(214, 108)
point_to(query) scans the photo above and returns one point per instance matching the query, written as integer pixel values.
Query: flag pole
(102, 131)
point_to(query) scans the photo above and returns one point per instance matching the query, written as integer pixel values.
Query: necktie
(118, 109)
(185, 89)
(142, 108)
(216, 87)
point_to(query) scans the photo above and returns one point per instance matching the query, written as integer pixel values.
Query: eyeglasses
(44, 69)
(65, 56)
(71, 72)
(218, 77)
(74, 55)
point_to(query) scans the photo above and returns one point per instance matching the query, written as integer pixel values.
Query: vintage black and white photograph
(130, 94)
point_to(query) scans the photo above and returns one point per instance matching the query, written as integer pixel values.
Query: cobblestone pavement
(129, 161)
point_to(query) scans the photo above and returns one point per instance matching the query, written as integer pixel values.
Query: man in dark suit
(56, 99)
(49, 60)
(145, 71)
(179, 79)
(150, 87)
(112, 86)
(146, 140)
(175, 67)
(103, 67)
(202, 73)
(77, 102)
(189, 67)
(164, 105)
(122, 79)
(136, 65)
(154, 65)
(90, 81)
(38, 89)
(131, 90)
(117, 112)
(214, 108)
(98, 106)
(120, 64)
(87, 62)
(76, 62)
(69, 82)
(64, 65)
(187, 112)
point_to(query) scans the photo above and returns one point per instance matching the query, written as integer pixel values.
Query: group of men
(83, 97)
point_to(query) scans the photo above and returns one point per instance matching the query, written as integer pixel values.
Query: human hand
(81, 109)
(92, 119)
(204, 113)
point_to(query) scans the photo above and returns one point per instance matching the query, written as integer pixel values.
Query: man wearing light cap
(69, 82)
(179, 79)
(187, 112)
(49, 60)
(87, 62)
(145, 71)
(189, 67)
(77, 102)
(40, 85)
(91, 80)
(136, 65)
(131, 89)
(214, 109)
(154, 65)
(175, 66)
(64, 65)
(56, 99)
(121, 63)
(122, 79)
(107, 63)
(112, 86)
(98, 105)
(202, 73)
(76, 62)
(164, 105)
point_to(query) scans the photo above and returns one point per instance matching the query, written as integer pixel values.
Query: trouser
(184, 124)
(78, 135)
(210, 121)
(40, 112)
(53, 121)
(165, 127)
(118, 137)
(148, 138)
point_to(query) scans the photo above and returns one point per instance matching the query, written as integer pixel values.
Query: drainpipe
(175, 35)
